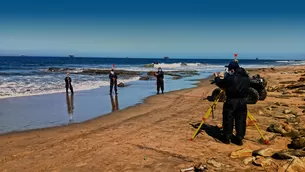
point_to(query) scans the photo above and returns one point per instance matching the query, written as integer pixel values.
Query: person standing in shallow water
(113, 81)
(68, 81)
(160, 80)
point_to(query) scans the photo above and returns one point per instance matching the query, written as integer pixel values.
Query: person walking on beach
(160, 80)
(113, 81)
(236, 86)
(68, 81)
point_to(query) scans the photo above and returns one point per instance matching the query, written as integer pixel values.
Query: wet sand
(32, 112)
(153, 136)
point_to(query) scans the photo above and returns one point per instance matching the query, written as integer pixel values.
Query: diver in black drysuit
(113, 81)
(160, 80)
(235, 85)
(68, 81)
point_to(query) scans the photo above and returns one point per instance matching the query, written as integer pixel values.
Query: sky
(144, 28)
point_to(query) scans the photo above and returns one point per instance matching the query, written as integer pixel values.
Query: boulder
(106, 72)
(151, 73)
(288, 154)
(296, 165)
(261, 161)
(288, 82)
(276, 128)
(214, 163)
(121, 84)
(286, 111)
(302, 107)
(302, 79)
(296, 85)
(176, 77)
(297, 143)
(241, 153)
(281, 104)
(268, 152)
(269, 137)
(248, 160)
(298, 91)
(144, 78)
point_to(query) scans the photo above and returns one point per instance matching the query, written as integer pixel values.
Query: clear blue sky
(145, 28)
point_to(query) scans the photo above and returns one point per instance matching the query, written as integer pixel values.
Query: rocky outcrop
(288, 154)
(121, 84)
(295, 165)
(144, 78)
(297, 143)
(177, 77)
(93, 71)
(106, 72)
(296, 85)
(268, 152)
(241, 153)
(302, 79)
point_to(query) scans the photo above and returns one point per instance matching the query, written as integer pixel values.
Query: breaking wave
(39, 85)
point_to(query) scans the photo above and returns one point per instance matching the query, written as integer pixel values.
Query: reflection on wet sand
(70, 105)
(114, 103)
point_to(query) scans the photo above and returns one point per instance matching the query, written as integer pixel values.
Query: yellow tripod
(207, 114)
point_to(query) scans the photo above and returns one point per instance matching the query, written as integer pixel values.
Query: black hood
(241, 71)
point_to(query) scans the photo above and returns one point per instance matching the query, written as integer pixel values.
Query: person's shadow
(114, 103)
(70, 105)
(212, 131)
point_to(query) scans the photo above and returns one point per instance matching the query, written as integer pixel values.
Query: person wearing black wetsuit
(160, 80)
(113, 81)
(68, 81)
(236, 85)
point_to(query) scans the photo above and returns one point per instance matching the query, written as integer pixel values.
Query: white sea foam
(48, 85)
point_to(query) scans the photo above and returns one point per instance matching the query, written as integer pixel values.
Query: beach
(155, 135)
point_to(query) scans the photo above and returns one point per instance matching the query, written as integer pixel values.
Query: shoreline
(195, 83)
(159, 129)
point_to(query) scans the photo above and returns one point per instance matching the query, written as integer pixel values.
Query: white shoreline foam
(76, 87)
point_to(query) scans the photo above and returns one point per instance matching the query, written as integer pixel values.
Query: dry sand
(153, 136)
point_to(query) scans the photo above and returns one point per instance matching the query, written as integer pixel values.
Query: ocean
(26, 76)
(32, 89)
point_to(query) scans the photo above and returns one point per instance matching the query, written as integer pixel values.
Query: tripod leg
(257, 128)
(207, 114)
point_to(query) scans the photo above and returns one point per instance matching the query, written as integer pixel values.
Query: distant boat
(166, 57)
(256, 58)
(71, 56)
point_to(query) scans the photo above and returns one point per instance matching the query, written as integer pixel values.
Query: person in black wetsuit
(113, 81)
(235, 85)
(160, 80)
(68, 81)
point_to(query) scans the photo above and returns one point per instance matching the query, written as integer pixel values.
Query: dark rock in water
(106, 72)
(176, 77)
(151, 73)
(55, 69)
(121, 84)
(94, 71)
(144, 78)
(297, 143)
(288, 154)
